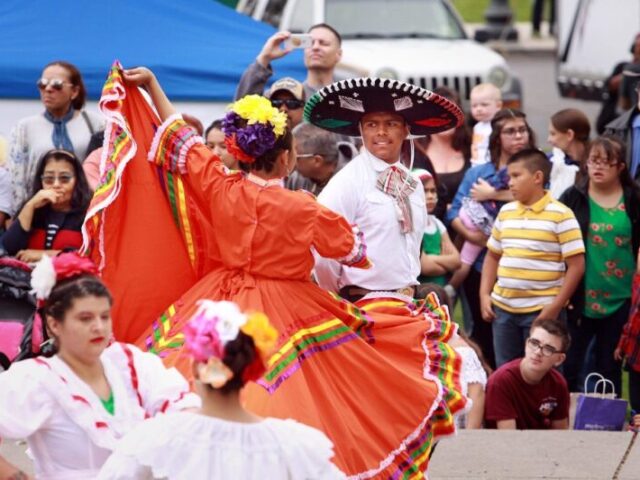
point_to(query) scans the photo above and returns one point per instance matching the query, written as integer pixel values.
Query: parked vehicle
(422, 42)
(593, 36)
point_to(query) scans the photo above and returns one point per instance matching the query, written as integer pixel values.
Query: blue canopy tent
(197, 48)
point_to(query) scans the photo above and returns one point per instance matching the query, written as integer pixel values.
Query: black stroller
(21, 330)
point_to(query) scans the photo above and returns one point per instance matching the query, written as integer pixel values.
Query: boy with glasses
(529, 393)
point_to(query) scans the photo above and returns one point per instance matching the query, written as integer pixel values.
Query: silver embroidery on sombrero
(351, 104)
(402, 103)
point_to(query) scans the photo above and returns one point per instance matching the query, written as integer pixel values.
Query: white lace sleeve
(472, 371)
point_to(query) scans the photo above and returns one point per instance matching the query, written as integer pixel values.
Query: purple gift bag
(600, 410)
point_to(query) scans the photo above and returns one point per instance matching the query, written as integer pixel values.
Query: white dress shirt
(352, 192)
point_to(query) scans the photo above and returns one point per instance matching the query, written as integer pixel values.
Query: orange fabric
(368, 394)
(139, 231)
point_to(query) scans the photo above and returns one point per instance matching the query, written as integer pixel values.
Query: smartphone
(298, 40)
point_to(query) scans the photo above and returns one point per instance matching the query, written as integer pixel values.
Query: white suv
(422, 42)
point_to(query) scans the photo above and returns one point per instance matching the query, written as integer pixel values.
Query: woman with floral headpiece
(371, 382)
(227, 348)
(73, 406)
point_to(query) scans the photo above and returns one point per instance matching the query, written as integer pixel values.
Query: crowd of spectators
(539, 249)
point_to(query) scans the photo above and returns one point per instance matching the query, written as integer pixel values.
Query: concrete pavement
(534, 455)
(14, 453)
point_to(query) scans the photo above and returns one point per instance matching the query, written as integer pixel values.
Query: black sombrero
(338, 107)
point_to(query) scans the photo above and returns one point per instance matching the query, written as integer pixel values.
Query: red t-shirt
(532, 406)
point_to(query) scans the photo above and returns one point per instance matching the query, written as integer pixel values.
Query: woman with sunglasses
(50, 220)
(63, 125)
(607, 207)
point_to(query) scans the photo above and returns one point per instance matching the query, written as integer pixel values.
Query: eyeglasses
(305, 155)
(512, 132)
(63, 179)
(601, 162)
(547, 350)
(291, 103)
(55, 83)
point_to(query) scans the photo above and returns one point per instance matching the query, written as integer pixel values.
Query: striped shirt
(533, 243)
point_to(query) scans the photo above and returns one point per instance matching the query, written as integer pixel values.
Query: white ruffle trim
(189, 445)
(183, 150)
(358, 251)
(387, 294)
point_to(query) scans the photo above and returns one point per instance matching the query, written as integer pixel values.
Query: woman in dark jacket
(51, 220)
(607, 207)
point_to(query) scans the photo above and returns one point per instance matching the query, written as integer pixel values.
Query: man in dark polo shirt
(529, 393)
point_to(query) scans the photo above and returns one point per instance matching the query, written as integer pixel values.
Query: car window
(392, 18)
(273, 12)
(302, 16)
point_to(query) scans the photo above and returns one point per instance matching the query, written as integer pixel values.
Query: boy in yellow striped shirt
(535, 257)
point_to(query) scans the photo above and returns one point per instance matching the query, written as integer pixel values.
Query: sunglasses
(291, 103)
(49, 180)
(55, 83)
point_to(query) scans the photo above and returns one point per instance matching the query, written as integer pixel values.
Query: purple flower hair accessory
(255, 139)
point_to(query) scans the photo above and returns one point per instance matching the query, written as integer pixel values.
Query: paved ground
(15, 453)
(518, 455)
(533, 455)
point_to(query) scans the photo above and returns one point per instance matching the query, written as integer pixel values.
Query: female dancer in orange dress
(382, 386)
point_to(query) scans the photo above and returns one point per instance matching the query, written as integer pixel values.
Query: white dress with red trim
(69, 432)
(163, 447)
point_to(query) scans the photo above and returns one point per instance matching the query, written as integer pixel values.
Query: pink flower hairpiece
(213, 326)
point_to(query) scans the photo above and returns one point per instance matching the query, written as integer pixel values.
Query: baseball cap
(288, 84)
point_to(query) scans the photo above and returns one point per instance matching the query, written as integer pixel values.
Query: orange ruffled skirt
(377, 377)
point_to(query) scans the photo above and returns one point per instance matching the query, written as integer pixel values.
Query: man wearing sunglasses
(287, 95)
(529, 393)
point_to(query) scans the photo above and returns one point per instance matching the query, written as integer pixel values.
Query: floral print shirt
(609, 260)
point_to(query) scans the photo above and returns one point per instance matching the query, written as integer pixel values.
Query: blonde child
(486, 101)
(439, 256)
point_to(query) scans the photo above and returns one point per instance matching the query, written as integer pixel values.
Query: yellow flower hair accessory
(251, 127)
(262, 332)
(257, 109)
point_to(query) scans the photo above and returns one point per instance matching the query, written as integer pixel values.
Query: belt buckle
(408, 291)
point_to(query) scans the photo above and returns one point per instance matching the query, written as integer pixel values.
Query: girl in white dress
(222, 440)
(73, 406)
(473, 380)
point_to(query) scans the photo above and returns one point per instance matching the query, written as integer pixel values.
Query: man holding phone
(320, 58)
